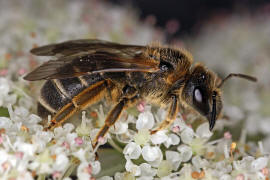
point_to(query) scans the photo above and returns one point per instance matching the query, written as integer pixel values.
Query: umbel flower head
(177, 153)
(185, 151)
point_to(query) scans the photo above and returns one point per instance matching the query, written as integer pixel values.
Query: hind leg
(87, 97)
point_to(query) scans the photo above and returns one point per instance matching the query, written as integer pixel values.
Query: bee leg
(113, 117)
(87, 97)
(170, 116)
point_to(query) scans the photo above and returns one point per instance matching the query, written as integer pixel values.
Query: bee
(87, 71)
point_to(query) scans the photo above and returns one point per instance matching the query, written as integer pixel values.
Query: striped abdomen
(58, 94)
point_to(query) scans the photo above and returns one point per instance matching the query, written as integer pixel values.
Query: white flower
(159, 137)
(187, 135)
(145, 120)
(175, 159)
(84, 171)
(119, 127)
(142, 137)
(70, 139)
(4, 90)
(45, 168)
(124, 176)
(26, 148)
(185, 152)
(34, 119)
(3, 156)
(26, 102)
(145, 178)
(173, 139)
(80, 154)
(4, 86)
(24, 176)
(223, 167)
(21, 112)
(134, 169)
(244, 164)
(203, 131)
(61, 162)
(180, 123)
(95, 167)
(67, 178)
(105, 178)
(40, 139)
(132, 150)
(63, 131)
(119, 176)
(225, 177)
(185, 172)
(199, 163)
(5, 122)
(259, 163)
(33, 165)
(164, 168)
(160, 115)
(152, 154)
(84, 129)
(147, 170)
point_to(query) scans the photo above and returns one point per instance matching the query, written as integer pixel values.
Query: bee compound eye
(198, 95)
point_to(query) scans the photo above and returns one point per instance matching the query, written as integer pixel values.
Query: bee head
(202, 94)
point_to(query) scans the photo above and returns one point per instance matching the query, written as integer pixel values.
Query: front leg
(171, 116)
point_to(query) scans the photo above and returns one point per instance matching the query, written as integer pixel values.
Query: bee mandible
(89, 70)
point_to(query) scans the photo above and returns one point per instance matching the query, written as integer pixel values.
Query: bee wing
(102, 57)
(76, 46)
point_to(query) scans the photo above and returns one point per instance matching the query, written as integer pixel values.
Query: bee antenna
(244, 76)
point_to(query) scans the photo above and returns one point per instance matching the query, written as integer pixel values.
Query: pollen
(7, 56)
(94, 114)
(210, 155)
(195, 175)
(53, 156)
(232, 149)
(233, 146)
(2, 131)
(202, 174)
(24, 128)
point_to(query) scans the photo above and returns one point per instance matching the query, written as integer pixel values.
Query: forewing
(100, 57)
(76, 46)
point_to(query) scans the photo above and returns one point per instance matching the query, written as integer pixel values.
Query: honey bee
(86, 71)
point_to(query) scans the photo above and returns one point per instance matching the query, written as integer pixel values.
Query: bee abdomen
(56, 93)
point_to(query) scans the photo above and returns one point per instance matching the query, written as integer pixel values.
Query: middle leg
(114, 116)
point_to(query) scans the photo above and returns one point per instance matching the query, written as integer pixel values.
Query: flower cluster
(185, 154)
(187, 150)
(28, 151)
(177, 153)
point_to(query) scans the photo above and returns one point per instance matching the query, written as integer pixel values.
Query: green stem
(115, 146)
(41, 177)
(72, 166)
